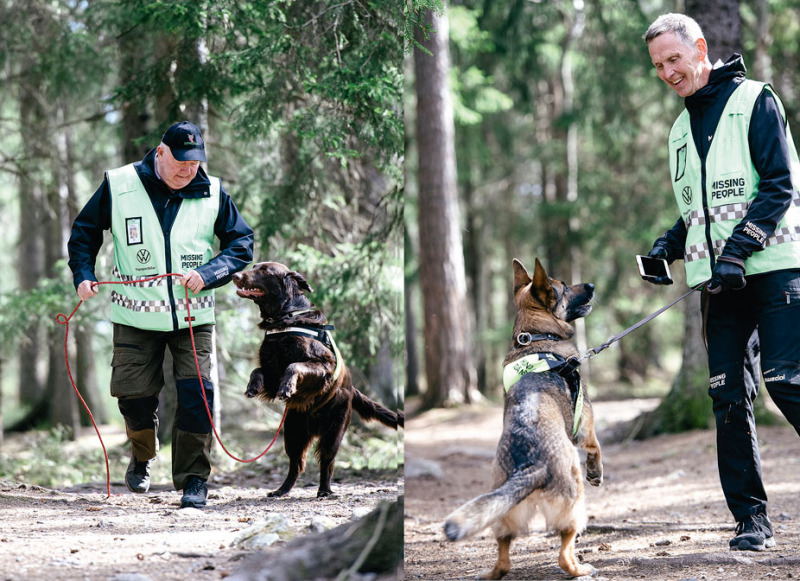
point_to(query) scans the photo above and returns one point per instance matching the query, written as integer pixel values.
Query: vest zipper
(168, 257)
(703, 155)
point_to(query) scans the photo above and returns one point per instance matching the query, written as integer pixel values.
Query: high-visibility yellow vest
(731, 184)
(142, 251)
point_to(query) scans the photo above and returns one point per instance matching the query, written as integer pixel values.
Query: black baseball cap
(185, 142)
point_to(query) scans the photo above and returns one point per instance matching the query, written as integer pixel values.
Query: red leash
(64, 320)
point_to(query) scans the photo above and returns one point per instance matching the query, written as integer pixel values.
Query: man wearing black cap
(164, 213)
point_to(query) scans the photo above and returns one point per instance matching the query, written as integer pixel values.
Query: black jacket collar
(719, 83)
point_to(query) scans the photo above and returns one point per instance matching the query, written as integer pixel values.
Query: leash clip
(591, 353)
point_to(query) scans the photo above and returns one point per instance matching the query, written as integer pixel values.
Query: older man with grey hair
(736, 179)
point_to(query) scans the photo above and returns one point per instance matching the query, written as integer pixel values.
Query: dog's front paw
(594, 470)
(287, 389)
(256, 384)
(594, 479)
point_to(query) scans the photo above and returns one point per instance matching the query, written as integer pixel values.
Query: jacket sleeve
(86, 237)
(769, 151)
(674, 240)
(236, 245)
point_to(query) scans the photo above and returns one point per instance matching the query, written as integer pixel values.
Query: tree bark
(721, 24)
(31, 202)
(448, 362)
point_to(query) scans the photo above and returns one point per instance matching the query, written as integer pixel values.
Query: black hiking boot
(194, 494)
(137, 476)
(754, 533)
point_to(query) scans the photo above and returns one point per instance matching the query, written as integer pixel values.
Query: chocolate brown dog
(546, 415)
(301, 365)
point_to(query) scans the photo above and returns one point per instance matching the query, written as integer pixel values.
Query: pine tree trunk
(448, 361)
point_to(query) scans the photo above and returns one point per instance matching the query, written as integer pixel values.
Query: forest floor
(659, 513)
(80, 533)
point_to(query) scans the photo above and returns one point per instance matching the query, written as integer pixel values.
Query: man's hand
(660, 252)
(87, 289)
(728, 274)
(193, 281)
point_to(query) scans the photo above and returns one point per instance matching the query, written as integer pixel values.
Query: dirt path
(82, 535)
(659, 514)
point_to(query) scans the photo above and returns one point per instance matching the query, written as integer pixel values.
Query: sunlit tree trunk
(448, 362)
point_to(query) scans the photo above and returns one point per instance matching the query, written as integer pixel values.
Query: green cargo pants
(137, 379)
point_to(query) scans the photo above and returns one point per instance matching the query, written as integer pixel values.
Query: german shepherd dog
(301, 365)
(537, 464)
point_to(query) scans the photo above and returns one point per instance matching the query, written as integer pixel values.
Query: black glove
(660, 251)
(728, 274)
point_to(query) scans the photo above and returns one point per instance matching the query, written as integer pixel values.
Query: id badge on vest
(133, 227)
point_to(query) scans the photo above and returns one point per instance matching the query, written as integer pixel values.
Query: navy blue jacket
(769, 151)
(235, 236)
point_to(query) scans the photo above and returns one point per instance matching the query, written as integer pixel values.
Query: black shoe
(754, 533)
(194, 494)
(137, 476)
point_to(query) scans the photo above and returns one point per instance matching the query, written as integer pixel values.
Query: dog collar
(322, 334)
(539, 363)
(528, 338)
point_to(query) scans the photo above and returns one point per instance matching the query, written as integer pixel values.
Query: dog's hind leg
(327, 448)
(567, 559)
(296, 439)
(503, 564)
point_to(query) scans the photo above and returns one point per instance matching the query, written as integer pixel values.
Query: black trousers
(761, 321)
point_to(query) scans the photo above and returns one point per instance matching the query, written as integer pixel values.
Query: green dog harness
(540, 363)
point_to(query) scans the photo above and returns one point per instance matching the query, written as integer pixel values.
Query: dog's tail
(482, 511)
(370, 410)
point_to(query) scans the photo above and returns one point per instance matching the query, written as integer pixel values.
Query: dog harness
(542, 362)
(322, 334)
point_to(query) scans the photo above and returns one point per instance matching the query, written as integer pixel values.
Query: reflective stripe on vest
(712, 210)
(141, 251)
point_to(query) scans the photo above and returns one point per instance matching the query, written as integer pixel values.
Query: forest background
(559, 124)
(301, 108)
(558, 127)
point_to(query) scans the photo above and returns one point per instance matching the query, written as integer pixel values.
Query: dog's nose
(589, 287)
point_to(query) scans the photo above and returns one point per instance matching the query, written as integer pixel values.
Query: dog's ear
(299, 280)
(540, 278)
(521, 276)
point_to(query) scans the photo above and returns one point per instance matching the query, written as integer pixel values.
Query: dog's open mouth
(249, 293)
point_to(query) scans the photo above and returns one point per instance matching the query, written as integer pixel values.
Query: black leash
(591, 353)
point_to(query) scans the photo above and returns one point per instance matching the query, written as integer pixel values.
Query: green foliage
(305, 118)
(415, 20)
(361, 290)
(19, 309)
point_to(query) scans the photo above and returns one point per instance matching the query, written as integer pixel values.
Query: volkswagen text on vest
(141, 251)
(712, 209)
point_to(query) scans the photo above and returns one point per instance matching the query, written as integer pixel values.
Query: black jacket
(769, 151)
(235, 236)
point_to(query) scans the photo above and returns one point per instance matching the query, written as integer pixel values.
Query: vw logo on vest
(687, 195)
(143, 256)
